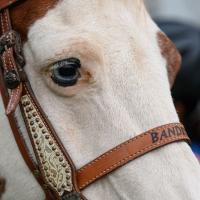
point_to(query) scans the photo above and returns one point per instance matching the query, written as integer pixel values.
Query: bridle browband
(54, 169)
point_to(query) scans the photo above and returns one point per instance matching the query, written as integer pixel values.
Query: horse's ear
(171, 54)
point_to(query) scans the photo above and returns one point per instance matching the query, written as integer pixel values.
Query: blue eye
(66, 73)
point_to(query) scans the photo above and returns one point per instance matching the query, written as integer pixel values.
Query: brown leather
(6, 3)
(14, 100)
(130, 150)
(9, 63)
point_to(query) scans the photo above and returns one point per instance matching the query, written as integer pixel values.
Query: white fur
(128, 94)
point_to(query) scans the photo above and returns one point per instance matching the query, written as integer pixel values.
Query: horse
(126, 67)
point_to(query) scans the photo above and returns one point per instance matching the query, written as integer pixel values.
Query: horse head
(102, 72)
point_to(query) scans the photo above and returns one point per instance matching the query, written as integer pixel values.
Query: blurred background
(181, 10)
(180, 20)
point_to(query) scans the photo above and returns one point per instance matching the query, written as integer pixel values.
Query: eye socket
(65, 73)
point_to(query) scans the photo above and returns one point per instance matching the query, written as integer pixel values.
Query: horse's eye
(65, 73)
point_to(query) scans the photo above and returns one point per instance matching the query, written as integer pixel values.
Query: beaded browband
(54, 169)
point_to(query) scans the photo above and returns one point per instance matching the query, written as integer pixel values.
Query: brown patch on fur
(85, 77)
(25, 13)
(171, 54)
(2, 186)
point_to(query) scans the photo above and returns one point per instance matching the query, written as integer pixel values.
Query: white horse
(123, 90)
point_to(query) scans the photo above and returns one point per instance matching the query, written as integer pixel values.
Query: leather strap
(129, 151)
(9, 64)
(6, 3)
(55, 164)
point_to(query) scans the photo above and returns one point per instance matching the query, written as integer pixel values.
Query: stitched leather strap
(129, 151)
(56, 167)
(9, 64)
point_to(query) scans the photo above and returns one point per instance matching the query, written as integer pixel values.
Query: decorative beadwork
(56, 169)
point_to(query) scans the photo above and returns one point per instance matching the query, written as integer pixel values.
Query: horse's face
(123, 85)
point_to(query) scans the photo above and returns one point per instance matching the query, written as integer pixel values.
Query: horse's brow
(83, 48)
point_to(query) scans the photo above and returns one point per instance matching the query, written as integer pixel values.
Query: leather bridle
(66, 182)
